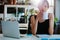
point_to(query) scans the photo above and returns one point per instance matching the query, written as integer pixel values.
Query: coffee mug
(45, 15)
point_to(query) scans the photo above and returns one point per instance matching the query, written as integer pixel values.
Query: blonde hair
(42, 3)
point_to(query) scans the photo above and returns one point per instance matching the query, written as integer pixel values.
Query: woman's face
(44, 7)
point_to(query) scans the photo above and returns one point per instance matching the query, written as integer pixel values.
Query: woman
(38, 24)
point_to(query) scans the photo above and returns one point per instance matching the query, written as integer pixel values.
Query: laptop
(10, 29)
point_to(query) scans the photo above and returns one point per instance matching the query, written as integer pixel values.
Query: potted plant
(26, 2)
(31, 11)
(55, 20)
(25, 16)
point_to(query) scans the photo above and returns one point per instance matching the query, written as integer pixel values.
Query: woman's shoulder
(50, 15)
(33, 16)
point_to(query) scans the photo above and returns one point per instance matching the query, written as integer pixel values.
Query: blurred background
(22, 13)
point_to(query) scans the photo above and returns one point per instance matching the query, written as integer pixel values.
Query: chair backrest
(10, 29)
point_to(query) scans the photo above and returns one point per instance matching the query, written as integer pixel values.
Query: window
(51, 6)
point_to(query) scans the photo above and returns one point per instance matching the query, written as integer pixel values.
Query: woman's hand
(40, 17)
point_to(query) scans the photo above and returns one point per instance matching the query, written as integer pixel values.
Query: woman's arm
(33, 25)
(51, 23)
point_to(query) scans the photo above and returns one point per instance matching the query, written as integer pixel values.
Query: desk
(47, 37)
(25, 38)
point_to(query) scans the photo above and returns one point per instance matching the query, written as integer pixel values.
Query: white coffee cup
(45, 15)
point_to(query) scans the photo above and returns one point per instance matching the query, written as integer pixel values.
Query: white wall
(57, 12)
(51, 2)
